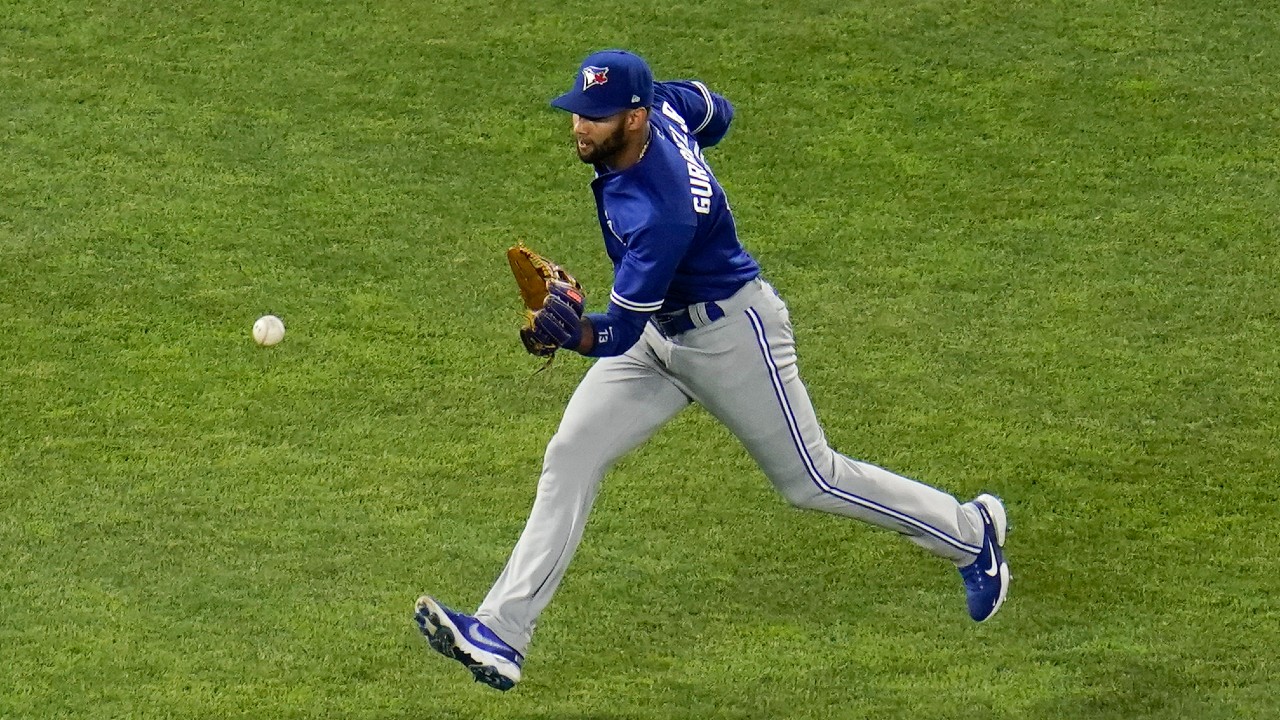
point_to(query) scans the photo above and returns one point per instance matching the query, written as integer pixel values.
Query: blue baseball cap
(608, 82)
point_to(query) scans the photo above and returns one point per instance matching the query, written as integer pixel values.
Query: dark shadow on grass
(584, 716)
(1122, 686)
(663, 713)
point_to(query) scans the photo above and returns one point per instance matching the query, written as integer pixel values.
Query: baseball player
(689, 319)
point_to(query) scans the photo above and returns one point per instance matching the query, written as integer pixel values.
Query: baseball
(268, 330)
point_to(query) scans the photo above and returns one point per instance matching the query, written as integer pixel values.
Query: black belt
(683, 320)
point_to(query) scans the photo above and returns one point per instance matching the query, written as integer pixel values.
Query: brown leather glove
(533, 273)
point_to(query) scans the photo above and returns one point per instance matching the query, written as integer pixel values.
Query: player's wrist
(587, 338)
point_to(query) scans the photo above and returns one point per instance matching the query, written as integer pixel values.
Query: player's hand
(559, 322)
(568, 293)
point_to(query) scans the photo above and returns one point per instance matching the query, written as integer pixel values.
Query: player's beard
(604, 151)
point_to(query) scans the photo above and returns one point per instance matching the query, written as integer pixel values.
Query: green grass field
(1030, 248)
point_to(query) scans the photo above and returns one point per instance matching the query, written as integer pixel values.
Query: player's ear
(637, 118)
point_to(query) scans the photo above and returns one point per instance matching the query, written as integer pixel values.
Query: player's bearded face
(599, 140)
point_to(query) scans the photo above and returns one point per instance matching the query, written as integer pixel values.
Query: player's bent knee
(796, 482)
(799, 492)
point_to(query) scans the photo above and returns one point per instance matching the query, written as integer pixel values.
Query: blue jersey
(666, 222)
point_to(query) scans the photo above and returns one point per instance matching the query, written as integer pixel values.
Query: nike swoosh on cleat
(473, 634)
(995, 566)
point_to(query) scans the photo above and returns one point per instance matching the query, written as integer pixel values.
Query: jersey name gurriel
(666, 221)
(699, 177)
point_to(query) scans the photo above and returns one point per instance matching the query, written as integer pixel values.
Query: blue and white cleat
(986, 580)
(467, 640)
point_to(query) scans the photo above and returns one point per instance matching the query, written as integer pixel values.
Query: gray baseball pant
(742, 369)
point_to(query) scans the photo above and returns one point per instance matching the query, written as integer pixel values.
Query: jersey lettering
(699, 176)
(674, 116)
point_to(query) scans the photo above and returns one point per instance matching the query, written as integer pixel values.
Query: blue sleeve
(705, 114)
(642, 277)
(615, 331)
(639, 286)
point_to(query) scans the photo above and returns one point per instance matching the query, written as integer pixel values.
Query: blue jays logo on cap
(617, 81)
(593, 76)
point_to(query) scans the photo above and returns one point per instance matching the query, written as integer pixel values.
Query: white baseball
(268, 330)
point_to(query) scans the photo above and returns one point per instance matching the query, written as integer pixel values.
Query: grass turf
(1029, 248)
